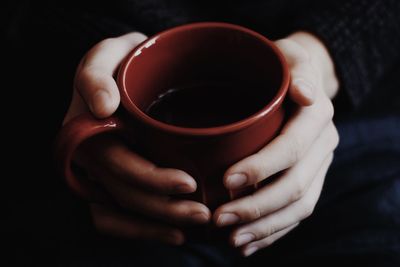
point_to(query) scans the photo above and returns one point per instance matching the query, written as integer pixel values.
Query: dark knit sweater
(363, 36)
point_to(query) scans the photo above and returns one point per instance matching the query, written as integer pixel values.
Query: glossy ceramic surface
(190, 53)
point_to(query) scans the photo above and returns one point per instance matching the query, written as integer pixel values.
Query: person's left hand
(303, 151)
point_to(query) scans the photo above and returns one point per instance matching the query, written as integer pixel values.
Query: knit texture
(363, 37)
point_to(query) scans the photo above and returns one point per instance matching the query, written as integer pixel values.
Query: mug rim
(266, 111)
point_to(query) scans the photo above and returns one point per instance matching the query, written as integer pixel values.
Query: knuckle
(296, 148)
(307, 209)
(285, 42)
(97, 74)
(255, 170)
(302, 54)
(335, 137)
(113, 42)
(106, 43)
(331, 137)
(133, 38)
(298, 191)
(324, 112)
(328, 111)
(251, 210)
(269, 230)
(295, 50)
(89, 75)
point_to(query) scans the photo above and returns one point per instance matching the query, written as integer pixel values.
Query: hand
(302, 153)
(135, 184)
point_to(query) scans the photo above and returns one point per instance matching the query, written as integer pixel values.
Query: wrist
(320, 59)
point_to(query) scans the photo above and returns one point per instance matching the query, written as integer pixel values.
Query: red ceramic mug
(194, 52)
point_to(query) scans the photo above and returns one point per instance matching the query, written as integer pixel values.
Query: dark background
(43, 42)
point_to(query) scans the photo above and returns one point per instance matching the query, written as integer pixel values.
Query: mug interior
(206, 53)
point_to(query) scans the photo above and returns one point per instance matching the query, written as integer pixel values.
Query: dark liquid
(208, 105)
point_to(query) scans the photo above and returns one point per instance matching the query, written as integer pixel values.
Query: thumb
(304, 77)
(99, 91)
(94, 78)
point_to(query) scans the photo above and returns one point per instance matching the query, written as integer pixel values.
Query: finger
(112, 223)
(257, 245)
(285, 150)
(283, 218)
(94, 78)
(290, 187)
(119, 161)
(156, 206)
(304, 77)
(304, 80)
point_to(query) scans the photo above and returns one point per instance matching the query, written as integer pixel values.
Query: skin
(303, 149)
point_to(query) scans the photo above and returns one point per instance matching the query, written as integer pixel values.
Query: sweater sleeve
(363, 38)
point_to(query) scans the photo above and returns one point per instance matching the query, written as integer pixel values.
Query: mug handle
(72, 134)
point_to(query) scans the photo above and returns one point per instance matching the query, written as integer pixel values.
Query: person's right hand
(142, 190)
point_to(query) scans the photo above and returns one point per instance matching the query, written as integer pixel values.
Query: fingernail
(244, 239)
(184, 188)
(236, 180)
(250, 250)
(99, 102)
(200, 217)
(305, 89)
(227, 219)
